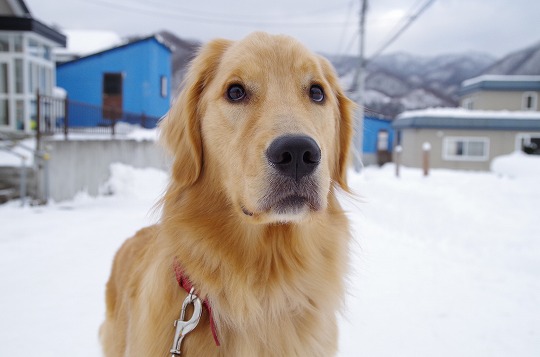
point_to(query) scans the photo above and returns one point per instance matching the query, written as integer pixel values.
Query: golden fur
(274, 279)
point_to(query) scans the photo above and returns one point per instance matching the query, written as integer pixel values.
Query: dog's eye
(316, 93)
(236, 93)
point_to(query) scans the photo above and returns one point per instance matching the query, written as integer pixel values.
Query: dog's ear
(344, 125)
(181, 129)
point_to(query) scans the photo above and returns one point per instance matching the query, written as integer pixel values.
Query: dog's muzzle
(293, 185)
(294, 156)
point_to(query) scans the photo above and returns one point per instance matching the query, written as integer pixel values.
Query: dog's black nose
(294, 156)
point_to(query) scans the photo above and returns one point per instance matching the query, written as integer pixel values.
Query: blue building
(124, 82)
(378, 140)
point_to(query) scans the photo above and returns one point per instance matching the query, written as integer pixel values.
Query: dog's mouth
(287, 205)
(289, 197)
(290, 204)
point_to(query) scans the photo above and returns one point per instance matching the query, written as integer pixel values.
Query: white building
(501, 92)
(466, 139)
(26, 64)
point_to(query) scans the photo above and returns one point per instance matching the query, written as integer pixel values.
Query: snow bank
(140, 134)
(129, 182)
(517, 165)
(445, 265)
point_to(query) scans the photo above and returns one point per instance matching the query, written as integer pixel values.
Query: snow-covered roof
(500, 78)
(500, 83)
(470, 114)
(461, 118)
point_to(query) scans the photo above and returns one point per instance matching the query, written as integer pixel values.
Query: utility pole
(359, 79)
(358, 85)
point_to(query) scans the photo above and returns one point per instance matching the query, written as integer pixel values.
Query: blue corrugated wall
(372, 126)
(143, 63)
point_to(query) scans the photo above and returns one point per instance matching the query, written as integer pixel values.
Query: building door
(383, 154)
(112, 95)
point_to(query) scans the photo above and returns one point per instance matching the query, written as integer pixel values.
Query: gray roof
(500, 83)
(12, 23)
(459, 118)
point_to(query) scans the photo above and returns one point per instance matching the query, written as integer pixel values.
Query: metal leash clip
(185, 327)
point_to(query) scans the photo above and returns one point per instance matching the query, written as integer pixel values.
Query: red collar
(185, 283)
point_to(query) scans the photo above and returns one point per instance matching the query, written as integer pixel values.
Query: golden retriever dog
(260, 137)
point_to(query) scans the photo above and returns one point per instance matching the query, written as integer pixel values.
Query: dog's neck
(253, 271)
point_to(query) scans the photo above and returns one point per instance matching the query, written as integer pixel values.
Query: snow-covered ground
(447, 265)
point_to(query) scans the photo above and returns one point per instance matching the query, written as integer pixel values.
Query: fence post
(38, 120)
(426, 148)
(46, 178)
(399, 150)
(22, 188)
(66, 117)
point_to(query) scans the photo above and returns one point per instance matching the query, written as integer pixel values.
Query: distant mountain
(401, 81)
(524, 62)
(183, 52)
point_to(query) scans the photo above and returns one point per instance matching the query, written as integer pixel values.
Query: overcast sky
(496, 27)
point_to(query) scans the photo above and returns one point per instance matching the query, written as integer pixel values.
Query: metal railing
(64, 116)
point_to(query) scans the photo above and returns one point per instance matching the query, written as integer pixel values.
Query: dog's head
(265, 122)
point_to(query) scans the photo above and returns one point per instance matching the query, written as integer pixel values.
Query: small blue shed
(122, 82)
(378, 140)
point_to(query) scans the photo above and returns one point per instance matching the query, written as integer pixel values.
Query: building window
(4, 112)
(31, 79)
(530, 101)
(468, 103)
(42, 80)
(112, 83)
(19, 76)
(4, 43)
(465, 148)
(4, 78)
(18, 43)
(164, 86)
(19, 114)
(33, 48)
(382, 140)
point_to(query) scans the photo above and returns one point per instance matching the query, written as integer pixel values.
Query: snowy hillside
(446, 265)
(404, 81)
(183, 52)
(523, 62)
(394, 81)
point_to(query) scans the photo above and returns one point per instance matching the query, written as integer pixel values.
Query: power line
(408, 23)
(359, 82)
(209, 20)
(412, 10)
(344, 31)
(196, 12)
(351, 43)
